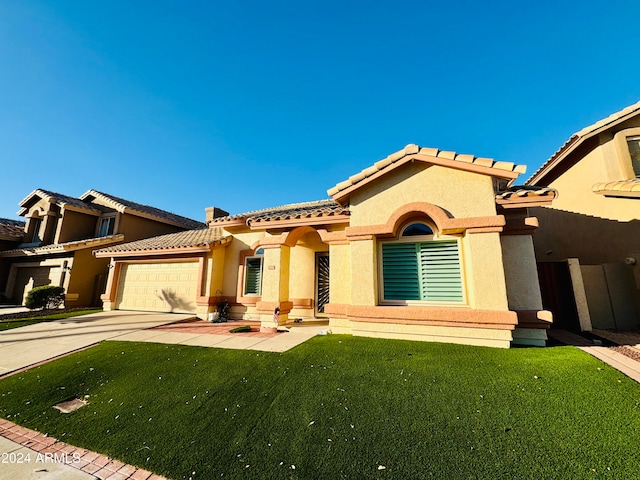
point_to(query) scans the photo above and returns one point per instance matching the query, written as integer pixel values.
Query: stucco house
(60, 234)
(424, 244)
(587, 245)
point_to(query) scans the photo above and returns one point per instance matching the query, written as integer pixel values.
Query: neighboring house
(588, 244)
(62, 231)
(425, 244)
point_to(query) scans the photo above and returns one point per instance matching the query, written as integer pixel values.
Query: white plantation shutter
(440, 272)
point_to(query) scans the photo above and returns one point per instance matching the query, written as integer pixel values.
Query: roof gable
(412, 152)
(64, 201)
(579, 138)
(127, 206)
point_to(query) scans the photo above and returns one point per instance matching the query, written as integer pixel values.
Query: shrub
(242, 329)
(47, 297)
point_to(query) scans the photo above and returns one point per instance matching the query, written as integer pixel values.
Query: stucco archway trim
(433, 213)
(290, 239)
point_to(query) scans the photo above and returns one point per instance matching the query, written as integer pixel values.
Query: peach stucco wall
(463, 194)
(575, 186)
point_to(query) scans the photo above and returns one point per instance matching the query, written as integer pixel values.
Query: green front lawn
(340, 407)
(31, 319)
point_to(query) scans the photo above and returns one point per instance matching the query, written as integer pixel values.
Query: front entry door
(322, 281)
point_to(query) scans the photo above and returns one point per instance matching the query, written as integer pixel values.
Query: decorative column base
(269, 319)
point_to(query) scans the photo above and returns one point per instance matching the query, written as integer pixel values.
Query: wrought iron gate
(322, 281)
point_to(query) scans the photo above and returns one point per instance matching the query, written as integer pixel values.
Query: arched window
(420, 266)
(416, 230)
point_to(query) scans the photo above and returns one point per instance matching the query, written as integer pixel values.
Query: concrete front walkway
(622, 363)
(33, 344)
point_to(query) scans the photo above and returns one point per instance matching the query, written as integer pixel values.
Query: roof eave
(296, 222)
(570, 146)
(164, 251)
(62, 248)
(342, 196)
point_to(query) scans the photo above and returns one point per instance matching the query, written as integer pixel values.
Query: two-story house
(62, 231)
(588, 243)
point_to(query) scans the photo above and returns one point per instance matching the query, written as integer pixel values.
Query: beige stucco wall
(241, 241)
(84, 269)
(340, 280)
(484, 271)
(136, 228)
(523, 287)
(575, 186)
(593, 240)
(364, 273)
(463, 194)
(76, 226)
(303, 266)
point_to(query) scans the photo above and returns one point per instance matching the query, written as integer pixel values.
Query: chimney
(214, 212)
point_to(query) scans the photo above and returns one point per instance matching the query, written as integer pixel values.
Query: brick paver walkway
(100, 466)
(203, 327)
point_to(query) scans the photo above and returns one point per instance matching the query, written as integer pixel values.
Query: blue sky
(245, 105)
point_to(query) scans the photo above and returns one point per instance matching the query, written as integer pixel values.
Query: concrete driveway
(26, 346)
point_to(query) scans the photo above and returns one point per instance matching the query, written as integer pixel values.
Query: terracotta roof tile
(189, 238)
(619, 187)
(121, 203)
(61, 199)
(11, 230)
(63, 247)
(525, 191)
(314, 209)
(413, 149)
(15, 223)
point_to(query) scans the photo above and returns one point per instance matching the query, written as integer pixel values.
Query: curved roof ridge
(413, 149)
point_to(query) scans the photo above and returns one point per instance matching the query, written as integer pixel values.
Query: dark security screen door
(322, 283)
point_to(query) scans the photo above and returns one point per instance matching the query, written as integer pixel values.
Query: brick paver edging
(93, 463)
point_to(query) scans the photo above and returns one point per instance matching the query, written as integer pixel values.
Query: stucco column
(364, 278)
(523, 290)
(275, 286)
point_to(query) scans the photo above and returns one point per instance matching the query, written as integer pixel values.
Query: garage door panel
(158, 287)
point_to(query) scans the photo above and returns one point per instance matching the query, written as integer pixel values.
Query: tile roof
(411, 150)
(525, 196)
(64, 200)
(15, 223)
(172, 241)
(315, 209)
(62, 247)
(578, 137)
(521, 191)
(11, 230)
(620, 187)
(120, 204)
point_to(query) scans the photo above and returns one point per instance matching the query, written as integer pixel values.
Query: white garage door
(158, 287)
